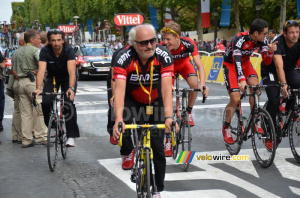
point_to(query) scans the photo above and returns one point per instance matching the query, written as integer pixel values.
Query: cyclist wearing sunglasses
(143, 90)
(181, 49)
(237, 67)
(59, 60)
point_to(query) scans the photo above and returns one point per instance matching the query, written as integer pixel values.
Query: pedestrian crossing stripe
(186, 157)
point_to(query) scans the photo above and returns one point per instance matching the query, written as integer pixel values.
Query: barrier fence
(213, 65)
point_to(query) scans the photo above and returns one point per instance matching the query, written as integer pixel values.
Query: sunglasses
(145, 42)
(165, 29)
(290, 22)
(55, 31)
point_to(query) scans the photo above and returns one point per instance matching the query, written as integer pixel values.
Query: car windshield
(96, 51)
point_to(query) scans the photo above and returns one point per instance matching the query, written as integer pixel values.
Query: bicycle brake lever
(203, 90)
(244, 94)
(120, 128)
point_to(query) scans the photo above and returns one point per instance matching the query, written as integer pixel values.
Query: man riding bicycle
(181, 49)
(283, 68)
(59, 60)
(143, 90)
(237, 67)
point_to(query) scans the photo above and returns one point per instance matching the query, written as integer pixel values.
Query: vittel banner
(128, 19)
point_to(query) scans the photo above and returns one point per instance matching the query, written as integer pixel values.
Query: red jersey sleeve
(165, 59)
(121, 64)
(191, 45)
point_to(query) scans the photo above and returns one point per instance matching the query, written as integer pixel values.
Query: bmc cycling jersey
(181, 57)
(239, 50)
(125, 69)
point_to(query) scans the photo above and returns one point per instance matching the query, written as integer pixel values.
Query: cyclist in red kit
(237, 67)
(181, 49)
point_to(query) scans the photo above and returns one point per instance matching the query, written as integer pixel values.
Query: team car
(92, 60)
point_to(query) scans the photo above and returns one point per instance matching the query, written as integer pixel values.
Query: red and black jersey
(125, 68)
(239, 50)
(187, 47)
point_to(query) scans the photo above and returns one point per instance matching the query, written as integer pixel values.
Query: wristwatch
(73, 89)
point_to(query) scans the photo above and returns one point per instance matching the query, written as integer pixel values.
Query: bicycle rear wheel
(186, 137)
(294, 138)
(236, 133)
(263, 144)
(52, 142)
(63, 139)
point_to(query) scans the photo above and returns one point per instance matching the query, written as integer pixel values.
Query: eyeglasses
(145, 42)
(290, 22)
(165, 29)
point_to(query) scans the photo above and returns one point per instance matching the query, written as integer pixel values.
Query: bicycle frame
(291, 112)
(254, 111)
(143, 146)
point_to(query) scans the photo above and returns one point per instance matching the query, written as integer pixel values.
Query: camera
(31, 76)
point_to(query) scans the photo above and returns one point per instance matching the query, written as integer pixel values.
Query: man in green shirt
(25, 70)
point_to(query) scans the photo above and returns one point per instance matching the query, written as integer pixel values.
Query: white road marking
(288, 170)
(213, 106)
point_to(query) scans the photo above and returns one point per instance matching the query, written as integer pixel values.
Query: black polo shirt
(57, 66)
(290, 56)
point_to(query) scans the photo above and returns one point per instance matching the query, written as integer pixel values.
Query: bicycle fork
(147, 146)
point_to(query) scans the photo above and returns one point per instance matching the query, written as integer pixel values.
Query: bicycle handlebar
(33, 99)
(189, 90)
(139, 126)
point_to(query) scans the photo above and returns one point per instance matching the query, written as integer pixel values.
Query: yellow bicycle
(143, 168)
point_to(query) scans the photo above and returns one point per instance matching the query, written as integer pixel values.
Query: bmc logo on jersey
(240, 42)
(239, 68)
(134, 77)
(124, 57)
(186, 44)
(163, 54)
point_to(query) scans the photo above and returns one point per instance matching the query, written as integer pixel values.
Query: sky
(5, 9)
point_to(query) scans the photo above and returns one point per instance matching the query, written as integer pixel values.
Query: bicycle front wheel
(263, 140)
(294, 138)
(186, 137)
(52, 142)
(147, 176)
(63, 140)
(175, 148)
(236, 132)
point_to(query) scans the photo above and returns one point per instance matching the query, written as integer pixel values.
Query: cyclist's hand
(242, 86)
(285, 91)
(272, 47)
(111, 101)
(168, 123)
(116, 133)
(37, 92)
(205, 93)
(173, 88)
(72, 95)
